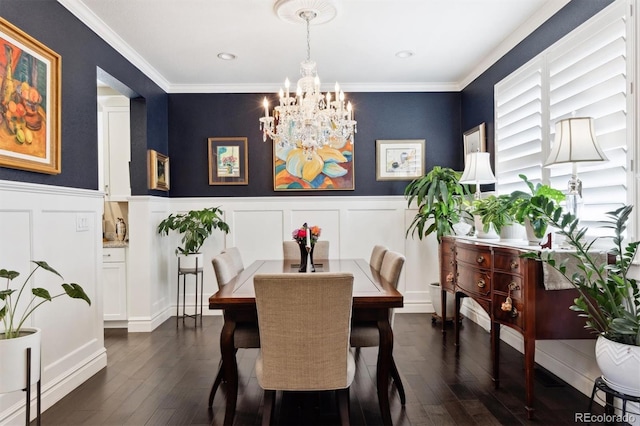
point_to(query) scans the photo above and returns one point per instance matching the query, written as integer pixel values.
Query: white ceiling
(176, 42)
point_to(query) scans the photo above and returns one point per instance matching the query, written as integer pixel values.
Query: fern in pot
(609, 298)
(15, 337)
(195, 226)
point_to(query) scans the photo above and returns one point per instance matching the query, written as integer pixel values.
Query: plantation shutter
(582, 75)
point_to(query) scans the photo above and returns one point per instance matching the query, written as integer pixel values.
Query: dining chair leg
(269, 402)
(343, 405)
(216, 383)
(396, 379)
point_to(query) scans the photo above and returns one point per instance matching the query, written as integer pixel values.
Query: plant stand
(609, 408)
(197, 272)
(28, 391)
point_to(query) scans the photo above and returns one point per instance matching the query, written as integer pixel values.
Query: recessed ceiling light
(226, 56)
(404, 54)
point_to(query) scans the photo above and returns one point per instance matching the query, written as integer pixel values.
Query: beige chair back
(224, 268)
(291, 250)
(236, 257)
(377, 254)
(391, 267)
(304, 322)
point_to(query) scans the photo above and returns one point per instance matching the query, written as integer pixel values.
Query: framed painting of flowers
(329, 167)
(228, 163)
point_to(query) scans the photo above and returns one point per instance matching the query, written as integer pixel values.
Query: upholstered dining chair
(291, 250)
(313, 352)
(246, 335)
(365, 333)
(236, 258)
(377, 254)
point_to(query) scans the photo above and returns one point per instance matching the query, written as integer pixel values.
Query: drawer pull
(449, 278)
(106, 255)
(481, 283)
(451, 263)
(514, 264)
(480, 259)
(507, 305)
(513, 286)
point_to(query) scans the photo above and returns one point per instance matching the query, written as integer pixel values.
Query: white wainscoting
(352, 225)
(40, 222)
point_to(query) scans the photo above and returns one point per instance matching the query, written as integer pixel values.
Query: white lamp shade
(477, 169)
(575, 142)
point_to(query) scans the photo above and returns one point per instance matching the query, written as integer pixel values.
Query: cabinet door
(114, 279)
(118, 152)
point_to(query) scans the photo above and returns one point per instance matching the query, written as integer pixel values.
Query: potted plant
(195, 226)
(609, 298)
(15, 338)
(440, 197)
(525, 211)
(494, 212)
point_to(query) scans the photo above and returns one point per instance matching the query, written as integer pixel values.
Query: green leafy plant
(609, 298)
(525, 204)
(11, 318)
(494, 210)
(438, 196)
(195, 226)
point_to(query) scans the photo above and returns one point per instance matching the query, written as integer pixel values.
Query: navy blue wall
(477, 97)
(181, 123)
(197, 117)
(82, 51)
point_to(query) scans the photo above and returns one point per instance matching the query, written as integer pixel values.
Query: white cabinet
(114, 119)
(114, 284)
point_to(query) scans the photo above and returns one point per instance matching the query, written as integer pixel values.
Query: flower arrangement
(300, 234)
(229, 161)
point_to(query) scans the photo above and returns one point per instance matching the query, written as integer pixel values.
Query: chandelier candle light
(309, 120)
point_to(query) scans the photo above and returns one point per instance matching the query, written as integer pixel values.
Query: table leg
(230, 366)
(529, 365)
(385, 352)
(456, 319)
(443, 308)
(495, 353)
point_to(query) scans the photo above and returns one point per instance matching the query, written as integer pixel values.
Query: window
(584, 74)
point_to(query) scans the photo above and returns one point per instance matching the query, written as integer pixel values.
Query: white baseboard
(146, 324)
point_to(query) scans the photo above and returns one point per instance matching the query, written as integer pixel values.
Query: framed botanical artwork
(30, 93)
(228, 161)
(158, 170)
(399, 159)
(474, 141)
(324, 169)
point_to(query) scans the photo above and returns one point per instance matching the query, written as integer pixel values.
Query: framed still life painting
(158, 170)
(30, 88)
(474, 140)
(399, 159)
(228, 161)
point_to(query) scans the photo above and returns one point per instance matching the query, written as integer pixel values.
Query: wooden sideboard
(489, 272)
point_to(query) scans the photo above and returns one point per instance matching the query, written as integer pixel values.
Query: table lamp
(575, 143)
(477, 170)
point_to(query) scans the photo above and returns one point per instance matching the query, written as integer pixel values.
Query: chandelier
(309, 120)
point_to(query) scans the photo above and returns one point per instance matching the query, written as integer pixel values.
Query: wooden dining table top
(369, 289)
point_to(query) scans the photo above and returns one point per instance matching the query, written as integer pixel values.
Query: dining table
(373, 298)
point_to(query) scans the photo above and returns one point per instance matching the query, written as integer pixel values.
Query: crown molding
(97, 25)
(347, 87)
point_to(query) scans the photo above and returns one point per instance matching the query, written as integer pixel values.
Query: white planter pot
(619, 364)
(436, 301)
(513, 232)
(13, 360)
(491, 234)
(188, 261)
(531, 236)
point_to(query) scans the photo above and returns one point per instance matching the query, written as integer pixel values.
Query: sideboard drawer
(475, 281)
(506, 283)
(447, 272)
(474, 256)
(508, 261)
(515, 317)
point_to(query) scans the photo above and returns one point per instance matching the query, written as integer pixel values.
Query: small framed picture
(474, 141)
(399, 159)
(228, 162)
(158, 165)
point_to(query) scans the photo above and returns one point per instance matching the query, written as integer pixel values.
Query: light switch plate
(82, 222)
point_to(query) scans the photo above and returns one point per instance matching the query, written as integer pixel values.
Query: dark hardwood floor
(164, 377)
